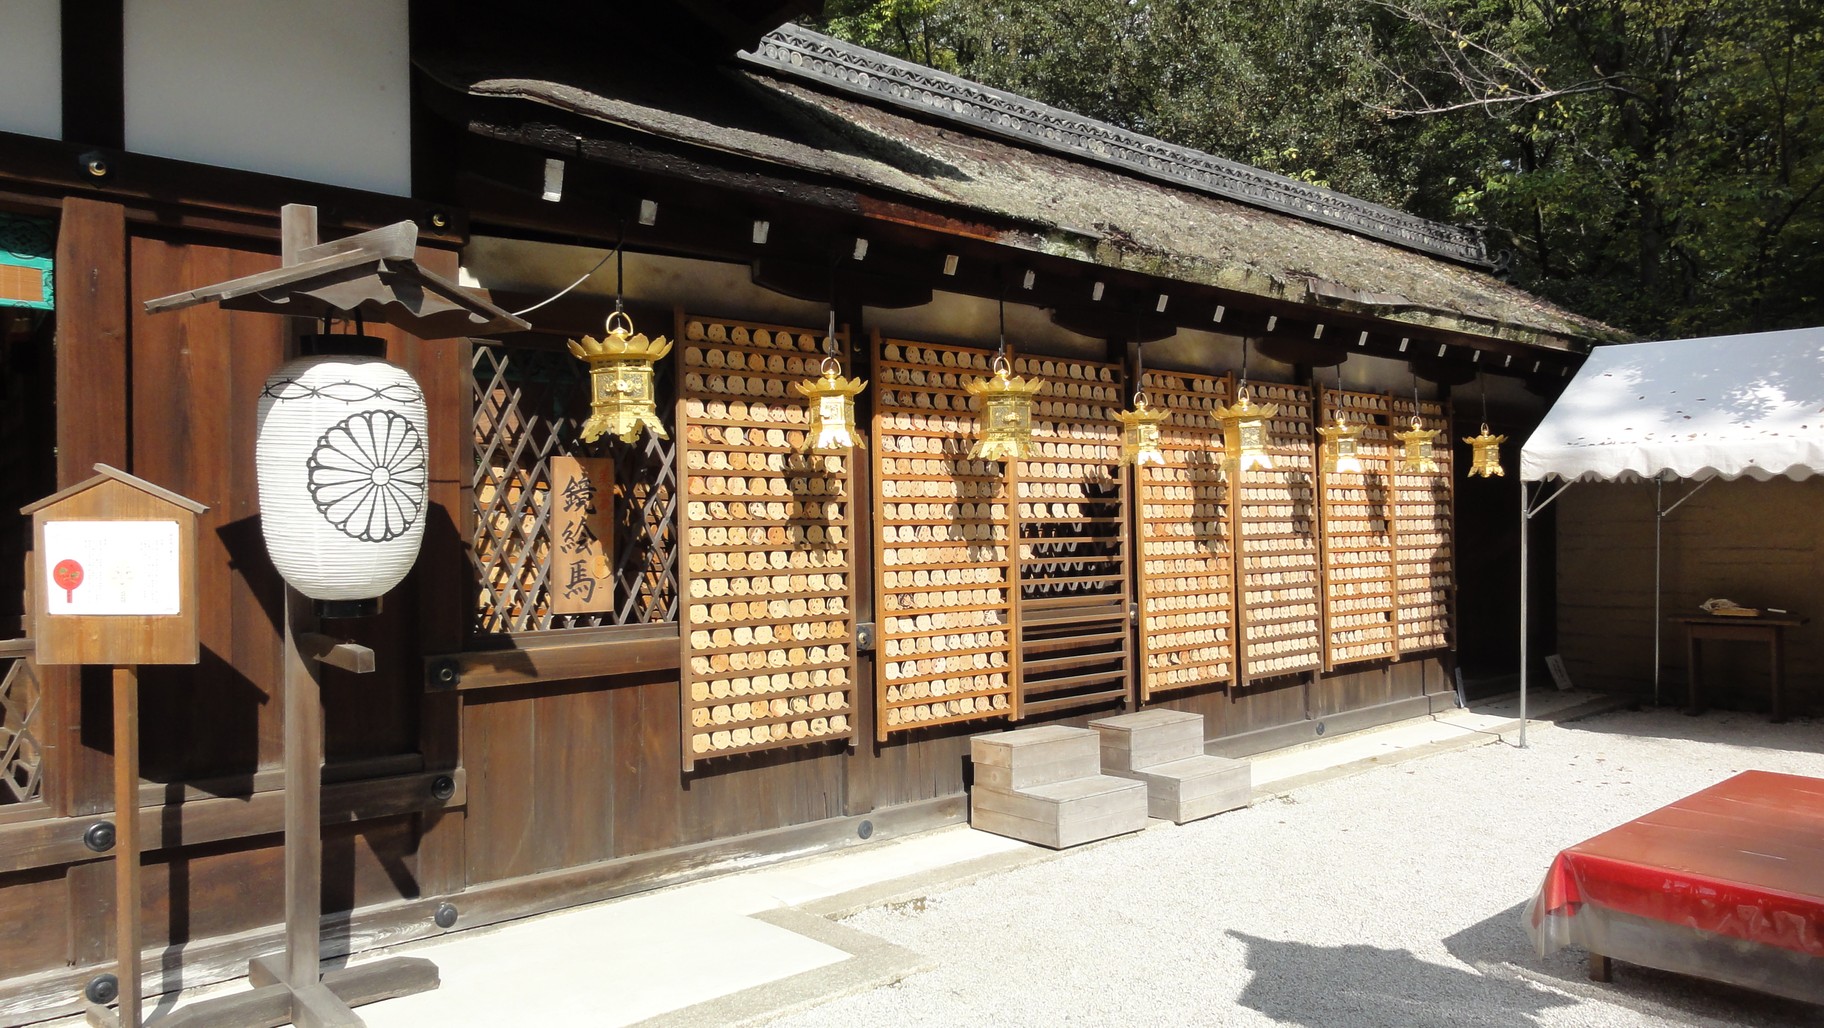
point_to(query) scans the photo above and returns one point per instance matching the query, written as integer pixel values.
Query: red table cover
(1743, 858)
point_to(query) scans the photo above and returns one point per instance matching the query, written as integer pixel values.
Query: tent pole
(1659, 527)
(1525, 568)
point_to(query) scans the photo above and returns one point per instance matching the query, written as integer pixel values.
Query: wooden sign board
(582, 535)
(113, 573)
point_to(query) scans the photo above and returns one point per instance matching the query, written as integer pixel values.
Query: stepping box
(1061, 814)
(1035, 756)
(1043, 785)
(1148, 737)
(1164, 750)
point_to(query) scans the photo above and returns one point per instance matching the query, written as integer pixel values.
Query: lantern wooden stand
(113, 581)
(374, 274)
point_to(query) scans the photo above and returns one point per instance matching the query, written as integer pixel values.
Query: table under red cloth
(1732, 875)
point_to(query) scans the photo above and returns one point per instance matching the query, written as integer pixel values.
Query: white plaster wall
(309, 89)
(31, 68)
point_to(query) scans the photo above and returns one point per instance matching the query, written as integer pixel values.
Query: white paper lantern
(342, 475)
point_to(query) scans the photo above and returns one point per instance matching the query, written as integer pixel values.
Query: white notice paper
(111, 567)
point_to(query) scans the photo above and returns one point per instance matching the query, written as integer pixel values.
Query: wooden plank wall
(557, 775)
(1757, 543)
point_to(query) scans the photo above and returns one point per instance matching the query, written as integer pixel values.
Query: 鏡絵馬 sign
(582, 537)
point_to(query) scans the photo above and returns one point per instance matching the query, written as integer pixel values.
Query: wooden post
(126, 839)
(290, 988)
(303, 799)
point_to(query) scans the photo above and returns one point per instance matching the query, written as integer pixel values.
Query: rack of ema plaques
(767, 558)
(1185, 529)
(1002, 587)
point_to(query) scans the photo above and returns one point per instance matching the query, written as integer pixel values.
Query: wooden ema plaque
(582, 535)
(1359, 608)
(113, 573)
(1423, 525)
(1187, 571)
(1076, 648)
(766, 561)
(944, 574)
(1276, 524)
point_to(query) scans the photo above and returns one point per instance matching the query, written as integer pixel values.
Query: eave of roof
(1053, 203)
(835, 65)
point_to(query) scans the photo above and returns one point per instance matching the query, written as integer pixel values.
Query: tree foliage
(1658, 164)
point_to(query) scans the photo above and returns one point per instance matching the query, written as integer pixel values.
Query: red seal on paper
(68, 575)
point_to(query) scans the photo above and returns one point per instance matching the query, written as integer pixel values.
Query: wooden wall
(577, 775)
(1760, 544)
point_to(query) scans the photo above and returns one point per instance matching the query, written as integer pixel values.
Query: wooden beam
(94, 73)
(194, 822)
(172, 194)
(617, 651)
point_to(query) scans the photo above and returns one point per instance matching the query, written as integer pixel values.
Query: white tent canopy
(1721, 407)
(1696, 409)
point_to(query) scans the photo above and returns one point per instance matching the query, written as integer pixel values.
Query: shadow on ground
(1721, 727)
(1361, 986)
(1498, 948)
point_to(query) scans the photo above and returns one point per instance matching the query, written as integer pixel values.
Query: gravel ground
(1391, 897)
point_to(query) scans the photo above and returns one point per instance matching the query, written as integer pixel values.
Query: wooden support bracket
(351, 657)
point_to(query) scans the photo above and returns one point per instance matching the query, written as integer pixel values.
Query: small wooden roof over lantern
(374, 274)
(341, 453)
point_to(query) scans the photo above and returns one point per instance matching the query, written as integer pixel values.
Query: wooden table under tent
(671, 614)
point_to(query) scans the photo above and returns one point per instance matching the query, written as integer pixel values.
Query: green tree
(1654, 163)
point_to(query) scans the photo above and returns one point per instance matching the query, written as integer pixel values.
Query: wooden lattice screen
(1075, 646)
(1276, 524)
(530, 400)
(21, 758)
(768, 630)
(1187, 573)
(944, 566)
(1423, 507)
(1358, 535)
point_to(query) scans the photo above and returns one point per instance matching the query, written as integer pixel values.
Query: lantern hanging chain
(1483, 382)
(1001, 367)
(1242, 388)
(832, 364)
(1139, 375)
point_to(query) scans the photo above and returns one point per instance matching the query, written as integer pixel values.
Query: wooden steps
(1044, 785)
(1164, 749)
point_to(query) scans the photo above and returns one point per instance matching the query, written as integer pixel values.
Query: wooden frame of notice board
(112, 580)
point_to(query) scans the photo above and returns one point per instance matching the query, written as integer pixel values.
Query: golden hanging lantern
(1418, 441)
(1140, 433)
(1485, 454)
(621, 393)
(1006, 419)
(1340, 441)
(1244, 434)
(832, 425)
